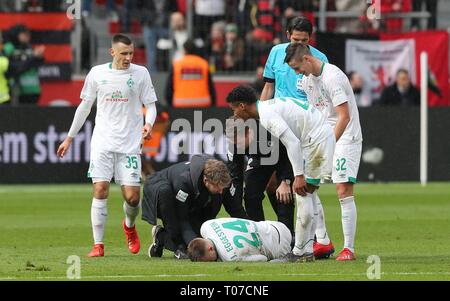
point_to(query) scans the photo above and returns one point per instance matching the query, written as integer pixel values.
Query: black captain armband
(269, 80)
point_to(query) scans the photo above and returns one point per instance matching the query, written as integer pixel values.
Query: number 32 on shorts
(132, 162)
(340, 164)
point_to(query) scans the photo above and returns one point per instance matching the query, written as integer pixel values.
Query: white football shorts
(125, 168)
(346, 161)
(319, 161)
(278, 244)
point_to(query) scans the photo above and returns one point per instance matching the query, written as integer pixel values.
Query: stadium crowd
(231, 35)
(234, 35)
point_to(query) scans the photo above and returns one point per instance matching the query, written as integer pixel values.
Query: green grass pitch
(406, 225)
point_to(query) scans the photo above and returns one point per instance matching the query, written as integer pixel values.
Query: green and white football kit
(309, 141)
(245, 240)
(116, 141)
(326, 92)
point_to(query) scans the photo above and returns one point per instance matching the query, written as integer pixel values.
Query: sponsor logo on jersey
(117, 96)
(182, 196)
(320, 102)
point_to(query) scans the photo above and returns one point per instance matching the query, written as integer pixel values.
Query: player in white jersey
(309, 142)
(234, 239)
(329, 90)
(121, 89)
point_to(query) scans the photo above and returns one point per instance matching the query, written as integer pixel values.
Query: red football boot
(345, 255)
(323, 251)
(134, 245)
(97, 251)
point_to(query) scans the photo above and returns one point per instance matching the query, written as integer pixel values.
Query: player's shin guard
(99, 214)
(305, 216)
(348, 209)
(321, 229)
(130, 214)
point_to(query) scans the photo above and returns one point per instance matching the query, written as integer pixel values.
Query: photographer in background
(20, 52)
(4, 66)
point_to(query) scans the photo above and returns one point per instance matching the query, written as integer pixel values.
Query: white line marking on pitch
(250, 274)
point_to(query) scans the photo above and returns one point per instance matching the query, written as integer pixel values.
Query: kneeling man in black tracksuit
(184, 196)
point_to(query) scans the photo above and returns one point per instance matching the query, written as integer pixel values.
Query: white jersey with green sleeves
(245, 240)
(329, 90)
(306, 122)
(234, 238)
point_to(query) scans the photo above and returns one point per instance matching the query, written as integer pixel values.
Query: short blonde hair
(217, 173)
(196, 249)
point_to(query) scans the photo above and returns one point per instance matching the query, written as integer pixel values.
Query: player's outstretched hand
(299, 185)
(62, 149)
(284, 193)
(147, 132)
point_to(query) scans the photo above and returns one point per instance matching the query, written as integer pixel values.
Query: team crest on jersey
(232, 190)
(249, 166)
(230, 156)
(130, 82)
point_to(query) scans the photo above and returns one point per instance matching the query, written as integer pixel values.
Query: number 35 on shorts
(131, 162)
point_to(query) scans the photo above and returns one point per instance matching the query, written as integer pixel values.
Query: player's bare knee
(132, 199)
(101, 192)
(344, 190)
(133, 202)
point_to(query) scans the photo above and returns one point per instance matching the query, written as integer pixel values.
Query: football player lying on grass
(233, 239)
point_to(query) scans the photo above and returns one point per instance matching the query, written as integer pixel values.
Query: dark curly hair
(242, 93)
